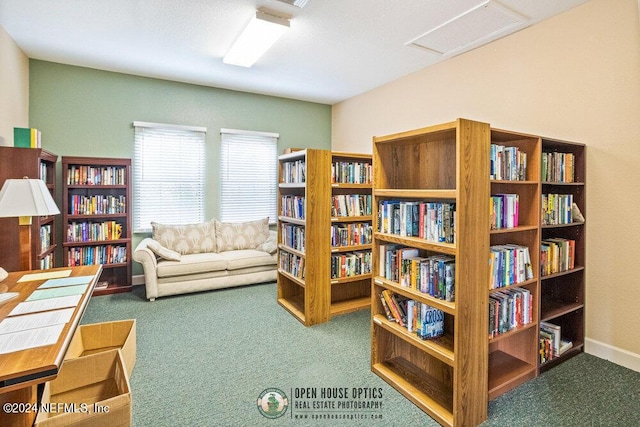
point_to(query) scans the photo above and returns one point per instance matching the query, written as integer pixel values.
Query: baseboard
(613, 354)
(137, 280)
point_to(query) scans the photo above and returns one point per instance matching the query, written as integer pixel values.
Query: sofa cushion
(187, 238)
(163, 252)
(241, 235)
(246, 258)
(192, 264)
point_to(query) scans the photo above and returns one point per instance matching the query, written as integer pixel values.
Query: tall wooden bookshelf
(446, 377)
(352, 232)
(515, 176)
(18, 162)
(318, 278)
(562, 293)
(97, 218)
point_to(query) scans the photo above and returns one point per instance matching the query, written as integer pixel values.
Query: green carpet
(204, 359)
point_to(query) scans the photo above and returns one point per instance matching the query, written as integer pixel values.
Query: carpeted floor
(205, 359)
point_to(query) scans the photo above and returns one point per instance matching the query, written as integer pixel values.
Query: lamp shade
(26, 197)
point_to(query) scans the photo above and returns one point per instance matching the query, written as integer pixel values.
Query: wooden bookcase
(18, 162)
(446, 377)
(513, 354)
(307, 285)
(562, 294)
(96, 202)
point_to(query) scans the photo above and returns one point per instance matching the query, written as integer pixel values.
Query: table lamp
(26, 198)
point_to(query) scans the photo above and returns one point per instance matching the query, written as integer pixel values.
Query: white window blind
(168, 175)
(249, 175)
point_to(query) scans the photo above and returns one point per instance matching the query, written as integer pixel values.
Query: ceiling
(335, 49)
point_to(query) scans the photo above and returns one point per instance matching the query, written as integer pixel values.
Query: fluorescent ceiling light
(262, 32)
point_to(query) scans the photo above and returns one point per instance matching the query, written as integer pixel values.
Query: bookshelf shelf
(96, 215)
(330, 188)
(18, 162)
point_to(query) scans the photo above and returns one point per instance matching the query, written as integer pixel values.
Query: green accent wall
(87, 112)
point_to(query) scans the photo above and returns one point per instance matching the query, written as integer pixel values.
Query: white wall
(574, 77)
(14, 88)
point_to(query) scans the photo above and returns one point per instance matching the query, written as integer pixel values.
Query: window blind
(248, 175)
(168, 175)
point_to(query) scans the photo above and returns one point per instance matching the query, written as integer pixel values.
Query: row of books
(98, 204)
(43, 172)
(27, 138)
(45, 236)
(557, 255)
(432, 275)
(351, 234)
(293, 236)
(556, 209)
(507, 163)
(91, 255)
(93, 231)
(292, 206)
(504, 211)
(90, 175)
(350, 264)
(509, 264)
(558, 167)
(351, 172)
(347, 205)
(46, 262)
(293, 172)
(425, 321)
(292, 264)
(432, 221)
(552, 344)
(509, 309)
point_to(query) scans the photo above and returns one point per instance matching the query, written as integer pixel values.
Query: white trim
(613, 354)
(167, 126)
(249, 133)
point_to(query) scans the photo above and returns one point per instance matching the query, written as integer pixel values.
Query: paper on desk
(57, 292)
(35, 321)
(44, 275)
(30, 338)
(45, 304)
(66, 281)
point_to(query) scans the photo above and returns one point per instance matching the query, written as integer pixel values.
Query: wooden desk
(22, 371)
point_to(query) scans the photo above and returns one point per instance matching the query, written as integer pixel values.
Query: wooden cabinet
(97, 218)
(562, 286)
(33, 163)
(445, 376)
(319, 276)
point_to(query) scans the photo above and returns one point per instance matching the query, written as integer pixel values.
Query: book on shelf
(504, 211)
(351, 172)
(508, 265)
(294, 171)
(557, 209)
(432, 221)
(507, 163)
(509, 309)
(558, 167)
(425, 321)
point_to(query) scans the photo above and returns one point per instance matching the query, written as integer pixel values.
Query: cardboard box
(89, 391)
(98, 337)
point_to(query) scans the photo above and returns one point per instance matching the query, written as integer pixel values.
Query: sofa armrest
(147, 258)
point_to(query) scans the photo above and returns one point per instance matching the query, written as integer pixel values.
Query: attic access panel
(479, 24)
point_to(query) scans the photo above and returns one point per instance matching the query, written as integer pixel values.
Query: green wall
(87, 112)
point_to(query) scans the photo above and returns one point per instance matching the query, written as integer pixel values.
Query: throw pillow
(270, 245)
(163, 252)
(186, 239)
(241, 235)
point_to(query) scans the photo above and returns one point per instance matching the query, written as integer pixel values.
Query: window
(248, 175)
(168, 175)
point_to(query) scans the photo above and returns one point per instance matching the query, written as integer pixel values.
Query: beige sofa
(179, 259)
